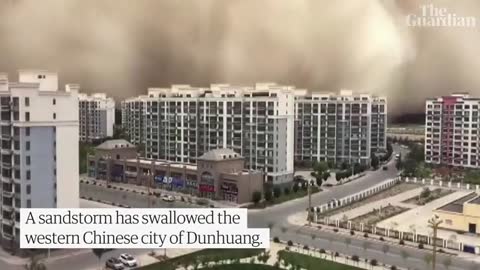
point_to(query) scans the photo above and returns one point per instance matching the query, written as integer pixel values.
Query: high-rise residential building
(184, 122)
(451, 130)
(339, 128)
(133, 119)
(39, 147)
(96, 116)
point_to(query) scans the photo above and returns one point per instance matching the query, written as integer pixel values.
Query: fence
(441, 183)
(334, 204)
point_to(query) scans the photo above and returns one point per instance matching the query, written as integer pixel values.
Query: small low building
(462, 215)
(219, 174)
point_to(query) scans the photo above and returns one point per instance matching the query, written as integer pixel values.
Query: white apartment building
(96, 116)
(184, 122)
(451, 131)
(39, 147)
(133, 119)
(339, 128)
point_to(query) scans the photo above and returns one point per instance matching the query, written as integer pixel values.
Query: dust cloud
(122, 47)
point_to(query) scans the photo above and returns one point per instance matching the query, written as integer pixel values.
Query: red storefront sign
(206, 188)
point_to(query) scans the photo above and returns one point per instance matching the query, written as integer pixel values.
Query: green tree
(268, 195)
(374, 161)
(256, 197)
(319, 172)
(277, 192)
(295, 187)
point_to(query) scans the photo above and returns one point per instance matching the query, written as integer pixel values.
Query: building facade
(219, 174)
(134, 118)
(96, 116)
(184, 122)
(339, 128)
(462, 215)
(39, 147)
(451, 131)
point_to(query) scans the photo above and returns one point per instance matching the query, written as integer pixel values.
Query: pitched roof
(112, 144)
(220, 154)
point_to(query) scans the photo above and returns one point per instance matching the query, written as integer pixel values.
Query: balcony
(7, 194)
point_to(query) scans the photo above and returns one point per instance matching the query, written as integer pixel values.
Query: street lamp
(434, 222)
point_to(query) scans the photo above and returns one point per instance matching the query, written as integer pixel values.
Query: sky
(122, 47)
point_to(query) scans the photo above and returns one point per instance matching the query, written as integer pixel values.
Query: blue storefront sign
(168, 180)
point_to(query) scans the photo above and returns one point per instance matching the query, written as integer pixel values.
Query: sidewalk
(177, 195)
(300, 219)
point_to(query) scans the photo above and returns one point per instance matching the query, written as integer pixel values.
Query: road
(277, 215)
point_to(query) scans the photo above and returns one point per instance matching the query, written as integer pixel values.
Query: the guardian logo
(432, 16)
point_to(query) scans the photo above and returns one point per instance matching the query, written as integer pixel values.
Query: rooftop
(112, 144)
(220, 154)
(457, 206)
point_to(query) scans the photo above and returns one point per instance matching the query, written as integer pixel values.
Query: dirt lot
(427, 197)
(378, 215)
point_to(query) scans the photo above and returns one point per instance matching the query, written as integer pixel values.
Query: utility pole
(309, 211)
(434, 222)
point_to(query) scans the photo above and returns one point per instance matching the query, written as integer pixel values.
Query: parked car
(114, 263)
(168, 198)
(128, 260)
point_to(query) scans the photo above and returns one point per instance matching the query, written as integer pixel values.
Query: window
(448, 222)
(29, 189)
(28, 175)
(27, 131)
(27, 116)
(29, 203)
(54, 116)
(28, 160)
(27, 145)
(27, 101)
(54, 101)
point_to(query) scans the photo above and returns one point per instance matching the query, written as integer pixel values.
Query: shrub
(277, 192)
(381, 238)
(290, 243)
(420, 246)
(352, 232)
(276, 240)
(365, 235)
(295, 188)
(336, 254)
(335, 230)
(401, 242)
(109, 186)
(286, 190)
(441, 251)
(319, 227)
(305, 247)
(322, 251)
(393, 267)
(373, 262)
(256, 197)
(355, 258)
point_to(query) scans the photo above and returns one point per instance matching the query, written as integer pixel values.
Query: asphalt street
(276, 215)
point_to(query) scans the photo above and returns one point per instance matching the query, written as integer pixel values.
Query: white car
(168, 198)
(128, 260)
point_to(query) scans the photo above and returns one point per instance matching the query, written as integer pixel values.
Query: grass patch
(205, 255)
(312, 263)
(243, 266)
